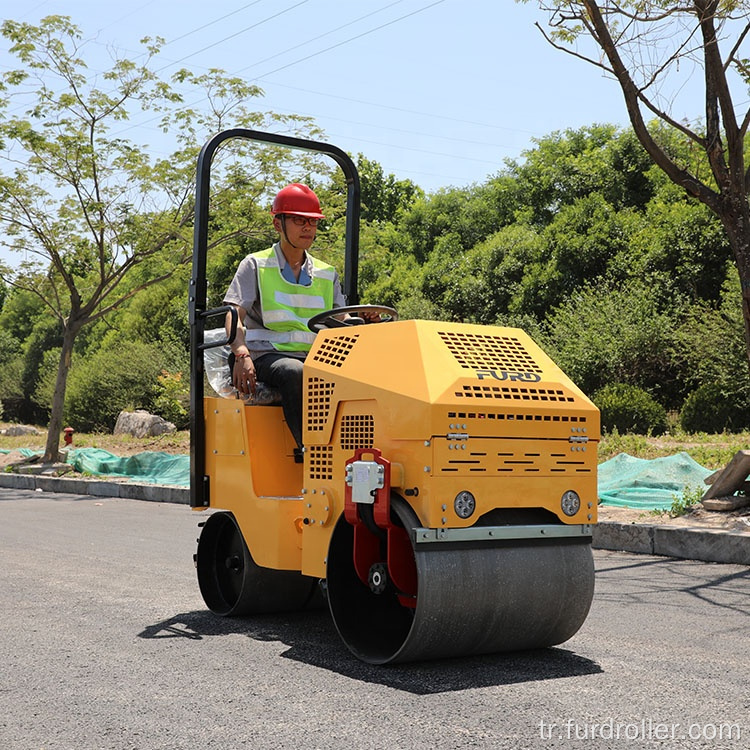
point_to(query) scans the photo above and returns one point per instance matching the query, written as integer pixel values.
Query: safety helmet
(298, 200)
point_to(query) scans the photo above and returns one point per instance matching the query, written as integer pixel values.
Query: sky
(440, 92)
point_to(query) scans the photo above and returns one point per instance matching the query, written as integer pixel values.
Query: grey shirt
(243, 291)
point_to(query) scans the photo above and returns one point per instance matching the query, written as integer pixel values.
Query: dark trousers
(284, 373)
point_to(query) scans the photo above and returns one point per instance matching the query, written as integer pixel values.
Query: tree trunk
(735, 216)
(51, 450)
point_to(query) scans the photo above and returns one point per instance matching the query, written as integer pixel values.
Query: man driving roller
(276, 291)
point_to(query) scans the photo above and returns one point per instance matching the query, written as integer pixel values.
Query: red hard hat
(297, 199)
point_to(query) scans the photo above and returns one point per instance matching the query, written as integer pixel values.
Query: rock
(20, 429)
(140, 423)
(16, 458)
(725, 503)
(731, 478)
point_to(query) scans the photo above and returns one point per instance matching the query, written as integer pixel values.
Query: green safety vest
(287, 307)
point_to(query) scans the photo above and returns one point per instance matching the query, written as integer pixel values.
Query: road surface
(105, 644)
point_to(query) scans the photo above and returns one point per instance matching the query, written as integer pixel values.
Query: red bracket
(368, 545)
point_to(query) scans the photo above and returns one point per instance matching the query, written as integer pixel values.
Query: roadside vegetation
(623, 279)
(711, 451)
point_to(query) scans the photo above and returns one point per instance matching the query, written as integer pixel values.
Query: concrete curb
(158, 493)
(708, 545)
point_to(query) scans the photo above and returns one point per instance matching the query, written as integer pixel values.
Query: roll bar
(197, 297)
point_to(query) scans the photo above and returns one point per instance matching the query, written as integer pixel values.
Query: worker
(276, 292)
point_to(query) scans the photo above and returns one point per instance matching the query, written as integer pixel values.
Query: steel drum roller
(471, 599)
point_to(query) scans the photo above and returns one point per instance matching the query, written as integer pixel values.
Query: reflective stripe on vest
(287, 307)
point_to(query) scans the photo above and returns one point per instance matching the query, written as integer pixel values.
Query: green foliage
(44, 386)
(110, 381)
(685, 501)
(567, 166)
(630, 409)
(713, 408)
(11, 367)
(383, 197)
(612, 443)
(682, 247)
(602, 335)
(172, 401)
(710, 342)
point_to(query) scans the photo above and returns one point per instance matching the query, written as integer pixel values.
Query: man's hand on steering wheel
(351, 315)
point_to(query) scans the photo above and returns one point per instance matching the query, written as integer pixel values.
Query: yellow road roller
(445, 502)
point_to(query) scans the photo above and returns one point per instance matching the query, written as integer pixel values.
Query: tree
(383, 196)
(643, 45)
(86, 206)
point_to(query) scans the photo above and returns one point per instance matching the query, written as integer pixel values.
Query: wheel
(327, 319)
(232, 584)
(470, 600)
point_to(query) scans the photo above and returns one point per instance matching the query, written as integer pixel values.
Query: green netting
(26, 452)
(626, 481)
(150, 466)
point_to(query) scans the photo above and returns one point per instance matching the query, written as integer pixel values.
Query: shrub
(110, 381)
(714, 408)
(173, 400)
(630, 409)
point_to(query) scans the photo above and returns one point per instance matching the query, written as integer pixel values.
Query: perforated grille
(518, 417)
(319, 461)
(492, 462)
(319, 394)
(334, 351)
(515, 393)
(476, 351)
(357, 431)
(484, 456)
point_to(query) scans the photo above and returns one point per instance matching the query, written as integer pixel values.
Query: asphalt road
(105, 644)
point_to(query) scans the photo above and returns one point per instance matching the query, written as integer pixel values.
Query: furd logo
(509, 375)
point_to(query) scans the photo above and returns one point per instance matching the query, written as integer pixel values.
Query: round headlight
(464, 504)
(570, 503)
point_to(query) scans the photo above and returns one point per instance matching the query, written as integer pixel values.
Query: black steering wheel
(327, 318)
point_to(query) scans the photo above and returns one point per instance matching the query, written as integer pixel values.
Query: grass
(711, 451)
(119, 445)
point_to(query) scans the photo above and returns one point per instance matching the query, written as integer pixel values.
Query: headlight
(570, 503)
(464, 504)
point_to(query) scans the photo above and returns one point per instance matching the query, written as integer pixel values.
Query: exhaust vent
(476, 351)
(334, 351)
(515, 393)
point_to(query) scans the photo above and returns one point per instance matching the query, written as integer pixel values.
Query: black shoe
(298, 456)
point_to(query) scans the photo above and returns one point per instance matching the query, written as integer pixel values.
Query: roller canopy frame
(197, 300)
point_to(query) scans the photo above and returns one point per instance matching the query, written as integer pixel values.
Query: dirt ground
(735, 520)
(179, 443)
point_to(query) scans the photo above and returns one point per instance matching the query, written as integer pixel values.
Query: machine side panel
(260, 489)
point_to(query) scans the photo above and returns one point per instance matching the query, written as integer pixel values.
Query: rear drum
(232, 584)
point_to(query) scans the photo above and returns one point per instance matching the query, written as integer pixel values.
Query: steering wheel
(327, 319)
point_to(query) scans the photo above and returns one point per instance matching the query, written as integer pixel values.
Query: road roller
(445, 501)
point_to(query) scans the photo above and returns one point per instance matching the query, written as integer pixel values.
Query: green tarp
(649, 484)
(150, 466)
(624, 480)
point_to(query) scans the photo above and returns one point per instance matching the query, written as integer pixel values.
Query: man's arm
(243, 370)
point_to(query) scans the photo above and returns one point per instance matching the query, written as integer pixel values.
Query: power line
(211, 23)
(325, 50)
(320, 36)
(237, 33)
(403, 109)
(346, 41)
